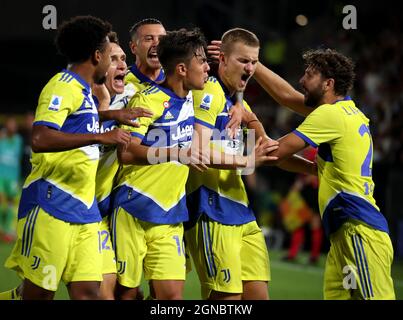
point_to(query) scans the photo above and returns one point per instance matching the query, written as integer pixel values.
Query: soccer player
(150, 204)
(58, 226)
(358, 265)
(226, 244)
(144, 39)
(112, 96)
(150, 199)
(10, 156)
(224, 233)
(145, 35)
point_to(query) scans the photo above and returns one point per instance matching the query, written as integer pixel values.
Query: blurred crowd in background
(378, 92)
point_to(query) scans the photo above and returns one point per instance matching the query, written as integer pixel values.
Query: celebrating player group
(136, 171)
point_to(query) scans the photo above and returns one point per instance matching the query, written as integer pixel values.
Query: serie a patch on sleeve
(55, 103)
(206, 101)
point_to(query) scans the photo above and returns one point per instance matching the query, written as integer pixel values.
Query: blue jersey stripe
(363, 269)
(305, 138)
(31, 231)
(216, 207)
(25, 232)
(359, 270)
(144, 208)
(210, 242)
(346, 206)
(206, 250)
(113, 228)
(47, 123)
(144, 78)
(78, 78)
(105, 206)
(56, 202)
(366, 266)
(203, 123)
(99, 242)
(62, 77)
(136, 134)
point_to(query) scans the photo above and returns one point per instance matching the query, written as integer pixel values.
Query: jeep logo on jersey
(55, 103)
(94, 127)
(182, 132)
(103, 130)
(206, 101)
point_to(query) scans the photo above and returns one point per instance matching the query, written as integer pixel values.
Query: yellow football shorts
(157, 249)
(358, 264)
(108, 253)
(48, 249)
(226, 255)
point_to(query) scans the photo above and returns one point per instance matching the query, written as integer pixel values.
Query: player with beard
(58, 226)
(226, 244)
(360, 244)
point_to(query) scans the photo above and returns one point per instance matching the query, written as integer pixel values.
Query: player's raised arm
(216, 159)
(221, 160)
(280, 90)
(139, 154)
(288, 161)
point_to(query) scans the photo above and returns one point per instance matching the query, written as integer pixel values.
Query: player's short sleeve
(140, 100)
(323, 125)
(55, 103)
(208, 104)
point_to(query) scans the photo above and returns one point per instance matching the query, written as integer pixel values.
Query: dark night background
(28, 56)
(29, 59)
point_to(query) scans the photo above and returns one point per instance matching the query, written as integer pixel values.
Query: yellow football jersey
(108, 162)
(156, 193)
(218, 193)
(63, 183)
(341, 131)
(108, 166)
(137, 81)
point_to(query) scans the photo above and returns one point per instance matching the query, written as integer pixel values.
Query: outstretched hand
(129, 116)
(261, 151)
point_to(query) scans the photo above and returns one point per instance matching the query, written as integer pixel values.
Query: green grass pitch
(296, 280)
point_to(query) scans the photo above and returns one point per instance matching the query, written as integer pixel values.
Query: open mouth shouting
(244, 79)
(118, 81)
(152, 55)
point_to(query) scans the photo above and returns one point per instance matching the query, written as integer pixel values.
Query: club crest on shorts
(121, 267)
(36, 263)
